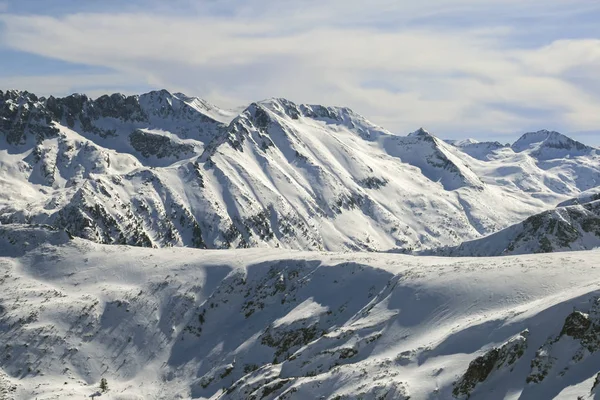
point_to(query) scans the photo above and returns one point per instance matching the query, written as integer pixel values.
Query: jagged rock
(373, 182)
(579, 326)
(285, 341)
(22, 114)
(576, 325)
(149, 144)
(496, 358)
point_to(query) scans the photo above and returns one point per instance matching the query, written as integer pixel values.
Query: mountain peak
(280, 106)
(540, 136)
(272, 176)
(266, 110)
(161, 95)
(19, 96)
(462, 142)
(158, 93)
(420, 132)
(547, 144)
(537, 136)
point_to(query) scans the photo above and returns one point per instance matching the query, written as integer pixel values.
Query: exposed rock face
(373, 182)
(23, 115)
(558, 229)
(149, 144)
(576, 325)
(578, 339)
(556, 356)
(482, 367)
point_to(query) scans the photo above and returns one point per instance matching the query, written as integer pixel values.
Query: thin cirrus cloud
(455, 66)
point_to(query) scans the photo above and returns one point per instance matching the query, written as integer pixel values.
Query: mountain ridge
(157, 170)
(571, 227)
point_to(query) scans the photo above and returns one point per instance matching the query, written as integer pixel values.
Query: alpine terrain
(162, 169)
(277, 324)
(157, 246)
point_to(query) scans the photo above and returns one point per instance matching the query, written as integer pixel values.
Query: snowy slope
(566, 228)
(267, 324)
(476, 149)
(162, 169)
(584, 197)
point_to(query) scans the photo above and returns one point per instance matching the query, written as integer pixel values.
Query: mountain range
(111, 207)
(164, 169)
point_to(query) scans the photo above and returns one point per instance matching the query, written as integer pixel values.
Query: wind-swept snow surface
(275, 324)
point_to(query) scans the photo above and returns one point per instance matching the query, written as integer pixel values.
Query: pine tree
(103, 385)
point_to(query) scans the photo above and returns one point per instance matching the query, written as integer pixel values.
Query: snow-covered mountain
(573, 226)
(583, 197)
(275, 324)
(164, 169)
(546, 145)
(476, 149)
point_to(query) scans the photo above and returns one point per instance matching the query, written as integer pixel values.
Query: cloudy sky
(461, 68)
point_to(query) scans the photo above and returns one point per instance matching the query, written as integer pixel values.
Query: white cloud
(400, 75)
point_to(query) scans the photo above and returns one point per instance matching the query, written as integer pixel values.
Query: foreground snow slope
(267, 324)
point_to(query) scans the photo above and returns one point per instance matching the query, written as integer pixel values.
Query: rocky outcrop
(553, 357)
(23, 115)
(497, 358)
(159, 146)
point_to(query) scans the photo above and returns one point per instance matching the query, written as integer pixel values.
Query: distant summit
(476, 149)
(546, 145)
(420, 132)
